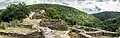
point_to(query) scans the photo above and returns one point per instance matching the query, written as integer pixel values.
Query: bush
(2, 26)
(15, 21)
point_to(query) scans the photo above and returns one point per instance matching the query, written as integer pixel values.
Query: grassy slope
(69, 14)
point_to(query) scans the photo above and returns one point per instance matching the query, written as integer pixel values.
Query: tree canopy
(14, 11)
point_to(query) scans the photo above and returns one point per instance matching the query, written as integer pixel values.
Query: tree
(14, 11)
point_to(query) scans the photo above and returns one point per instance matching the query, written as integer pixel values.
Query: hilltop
(69, 14)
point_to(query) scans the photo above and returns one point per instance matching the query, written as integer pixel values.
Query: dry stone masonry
(52, 28)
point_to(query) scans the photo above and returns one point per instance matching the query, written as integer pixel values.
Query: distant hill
(112, 24)
(110, 20)
(0, 10)
(106, 15)
(69, 14)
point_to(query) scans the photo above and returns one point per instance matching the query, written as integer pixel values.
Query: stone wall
(16, 25)
(83, 35)
(54, 24)
(93, 32)
(97, 33)
(32, 34)
(25, 26)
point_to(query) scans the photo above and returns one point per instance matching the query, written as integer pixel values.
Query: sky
(90, 7)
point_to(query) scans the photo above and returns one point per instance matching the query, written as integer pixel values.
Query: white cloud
(87, 6)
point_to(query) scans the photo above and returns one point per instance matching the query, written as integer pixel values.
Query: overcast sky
(4, 3)
(89, 7)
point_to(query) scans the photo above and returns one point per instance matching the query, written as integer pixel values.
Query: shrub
(15, 21)
(2, 26)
